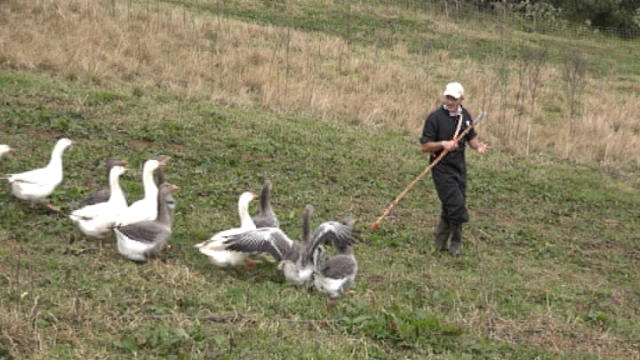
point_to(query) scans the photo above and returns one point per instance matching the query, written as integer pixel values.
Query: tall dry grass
(230, 62)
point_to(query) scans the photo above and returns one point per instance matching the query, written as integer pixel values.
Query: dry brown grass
(250, 65)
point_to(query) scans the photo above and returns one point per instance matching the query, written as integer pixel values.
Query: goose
(35, 185)
(265, 216)
(337, 274)
(97, 220)
(102, 195)
(296, 266)
(145, 209)
(4, 148)
(217, 254)
(296, 258)
(141, 240)
(160, 178)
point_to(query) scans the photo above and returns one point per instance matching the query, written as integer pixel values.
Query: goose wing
(91, 211)
(96, 197)
(339, 234)
(145, 231)
(270, 240)
(35, 176)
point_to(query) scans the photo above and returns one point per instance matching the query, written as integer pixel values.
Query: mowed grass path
(549, 270)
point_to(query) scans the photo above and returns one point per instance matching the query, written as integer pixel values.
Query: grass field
(549, 270)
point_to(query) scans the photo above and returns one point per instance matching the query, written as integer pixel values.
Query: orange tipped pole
(396, 201)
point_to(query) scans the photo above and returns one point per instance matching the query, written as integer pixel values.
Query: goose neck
(150, 187)
(56, 157)
(114, 186)
(163, 208)
(245, 217)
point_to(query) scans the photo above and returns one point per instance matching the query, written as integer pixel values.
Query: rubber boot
(456, 239)
(442, 234)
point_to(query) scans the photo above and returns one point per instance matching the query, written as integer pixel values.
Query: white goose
(145, 209)
(4, 148)
(37, 184)
(102, 195)
(141, 240)
(97, 220)
(296, 258)
(217, 254)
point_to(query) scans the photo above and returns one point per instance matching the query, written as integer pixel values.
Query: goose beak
(164, 160)
(174, 187)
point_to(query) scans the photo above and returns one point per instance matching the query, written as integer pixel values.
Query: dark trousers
(451, 186)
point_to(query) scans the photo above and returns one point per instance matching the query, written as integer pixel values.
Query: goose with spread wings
(296, 258)
(218, 255)
(337, 274)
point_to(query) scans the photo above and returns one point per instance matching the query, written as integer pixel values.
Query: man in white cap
(441, 127)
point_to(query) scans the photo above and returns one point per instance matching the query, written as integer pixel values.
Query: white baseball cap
(454, 89)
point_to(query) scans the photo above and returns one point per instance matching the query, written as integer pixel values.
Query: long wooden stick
(404, 192)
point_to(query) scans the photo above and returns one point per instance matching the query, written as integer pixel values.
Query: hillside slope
(381, 66)
(549, 269)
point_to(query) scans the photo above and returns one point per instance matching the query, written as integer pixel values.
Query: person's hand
(450, 145)
(482, 148)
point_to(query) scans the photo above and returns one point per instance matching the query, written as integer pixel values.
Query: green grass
(549, 268)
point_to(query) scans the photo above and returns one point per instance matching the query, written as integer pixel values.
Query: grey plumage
(160, 178)
(158, 175)
(268, 240)
(291, 254)
(296, 258)
(141, 240)
(266, 217)
(337, 274)
(339, 265)
(340, 234)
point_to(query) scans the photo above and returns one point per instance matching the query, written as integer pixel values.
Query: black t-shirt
(440, 126)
